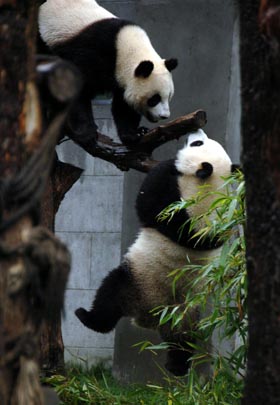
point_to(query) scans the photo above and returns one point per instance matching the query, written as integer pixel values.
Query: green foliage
(97, 386)
(223, 298)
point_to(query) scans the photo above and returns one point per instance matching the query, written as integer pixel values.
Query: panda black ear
(235, 167)
(144, 69)
(171, 64)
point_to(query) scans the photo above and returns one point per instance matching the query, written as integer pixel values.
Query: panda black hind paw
(83, 315)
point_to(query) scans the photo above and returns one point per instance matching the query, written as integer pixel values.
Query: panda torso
(151, 259)
(162, 247)
(142, 281)
(76, 14)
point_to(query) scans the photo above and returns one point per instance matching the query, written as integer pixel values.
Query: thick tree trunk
(34, 265)
(260, 70)
(18, 26)
(52, 348)
(17, 93)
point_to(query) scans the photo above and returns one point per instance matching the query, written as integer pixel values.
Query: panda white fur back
(60, 21)
(113, 55)
(141, 282)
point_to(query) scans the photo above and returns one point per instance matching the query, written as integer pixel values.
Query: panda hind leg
(178, 353)
(110, 303)
(178, 360)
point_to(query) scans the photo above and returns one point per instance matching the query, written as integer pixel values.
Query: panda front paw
(133, 138)
(141, 131)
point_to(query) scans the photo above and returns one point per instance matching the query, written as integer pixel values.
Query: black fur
(178, 359)
(171, 64)
(111, 301)
(127, 120)
(93, 51)
(160, 189)
(235, 167)
(205, 171)
(144, 69)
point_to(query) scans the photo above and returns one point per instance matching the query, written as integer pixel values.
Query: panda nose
(163, 117)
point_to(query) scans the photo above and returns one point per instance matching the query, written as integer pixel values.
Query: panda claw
(133, 138)
(141, 131)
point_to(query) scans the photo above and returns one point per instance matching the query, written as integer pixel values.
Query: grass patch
(97, 386)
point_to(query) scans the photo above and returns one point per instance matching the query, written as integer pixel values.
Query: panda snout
(205, 171)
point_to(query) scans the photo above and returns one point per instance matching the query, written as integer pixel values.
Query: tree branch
(139, 157)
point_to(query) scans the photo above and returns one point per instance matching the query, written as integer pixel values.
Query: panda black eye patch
(196, 143)
(154, 100)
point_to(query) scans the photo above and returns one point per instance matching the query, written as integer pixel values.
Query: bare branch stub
(174, 129)
(139, 157)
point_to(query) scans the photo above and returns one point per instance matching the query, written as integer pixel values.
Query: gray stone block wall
(89, 222)
(204, 36)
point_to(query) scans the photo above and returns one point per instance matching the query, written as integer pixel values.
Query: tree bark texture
(33, 264)
(139, 156)
(62, 178)
(18, 96)
(260, 72)
(16, 76)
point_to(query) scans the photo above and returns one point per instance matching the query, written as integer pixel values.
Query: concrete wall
(97, 217)
(89, 221)
(204, 36)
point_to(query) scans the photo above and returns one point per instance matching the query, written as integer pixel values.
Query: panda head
(203, 158)
(151, 88)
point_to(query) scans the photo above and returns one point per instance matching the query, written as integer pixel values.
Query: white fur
(133, 47)
(60, 20)
(153, 256)
(189, 160)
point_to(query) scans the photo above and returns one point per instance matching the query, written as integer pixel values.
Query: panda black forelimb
(127, 120)
(80, 125)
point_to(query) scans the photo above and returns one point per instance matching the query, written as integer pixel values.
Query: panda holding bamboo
(141, 282)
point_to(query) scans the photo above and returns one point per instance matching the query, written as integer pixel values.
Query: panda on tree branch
(141, 282)
(113, 55)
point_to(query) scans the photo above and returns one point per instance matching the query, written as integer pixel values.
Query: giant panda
(141, 282)
(114, 55)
